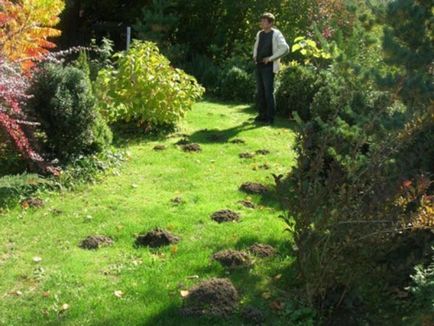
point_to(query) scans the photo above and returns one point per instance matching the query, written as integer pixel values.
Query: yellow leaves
(310, 50)
(159, 94)
(26, 26)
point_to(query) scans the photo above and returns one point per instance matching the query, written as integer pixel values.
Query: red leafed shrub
(13, 86)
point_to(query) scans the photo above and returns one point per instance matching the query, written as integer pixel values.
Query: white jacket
(280, 48)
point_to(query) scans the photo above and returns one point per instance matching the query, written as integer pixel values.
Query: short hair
(268, 16)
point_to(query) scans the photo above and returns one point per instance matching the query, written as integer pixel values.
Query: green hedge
(297, 87)
(63, 101)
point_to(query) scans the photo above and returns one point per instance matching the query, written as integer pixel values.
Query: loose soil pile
(262, 152)
(265, 167)
(246, 155)
(156, 238)
(159, 148)
(262, 250)
(253, 188)
(216, 297)
(94, 242)
(177, 201)
(247, 203)
(225, 215)
(191, 148)
(232, 258)
(183, 141)
(32, 203)
(237, 141)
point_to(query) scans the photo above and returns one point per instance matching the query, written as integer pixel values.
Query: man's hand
(266, 60)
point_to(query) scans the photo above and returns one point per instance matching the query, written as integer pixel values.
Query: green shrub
(361, 187)
(10, 161)
(297, 87)
(422, 288)
(207, 72)
(65, 105)
(14, 188)
(237, 85)
(144, 88)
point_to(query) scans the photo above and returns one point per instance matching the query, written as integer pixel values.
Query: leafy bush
(422, 288)
(207, 72)
(91, 62)
(65, 105)
(237, 85)
(17, 187)
(355, 192)
(297, 87)
(11, 162)
(144, 88)
(85, 169)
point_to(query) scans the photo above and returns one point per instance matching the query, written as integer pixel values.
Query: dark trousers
(265, 91)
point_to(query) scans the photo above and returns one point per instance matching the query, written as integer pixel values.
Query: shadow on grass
(130, 134)
(125, 134)
(207, 136)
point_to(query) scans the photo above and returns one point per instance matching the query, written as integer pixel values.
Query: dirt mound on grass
(253, 316)
(232, 258)
(160, 148)
(183, 141)
(32, 203)
(262, 250)
(191, 148)
(156, 238)
(247, 203)
(265, 166)
(237, 141)
(94, 242)
(177, 201)
(225, 215)
(246, 155)
(216, 297)
(254, 188)
(262, 152)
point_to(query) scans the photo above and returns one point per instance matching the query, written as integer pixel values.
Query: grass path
(139, 199)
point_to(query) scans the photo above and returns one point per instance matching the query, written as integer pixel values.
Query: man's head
(267, 21)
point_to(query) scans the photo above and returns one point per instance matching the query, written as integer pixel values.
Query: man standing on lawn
(269, 47)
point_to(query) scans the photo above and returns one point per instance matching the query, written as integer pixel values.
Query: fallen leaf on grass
(118, 294)
(37, 259)
(184, 293)
(64, 307)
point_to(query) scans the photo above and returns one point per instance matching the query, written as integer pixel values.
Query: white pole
(128, 37)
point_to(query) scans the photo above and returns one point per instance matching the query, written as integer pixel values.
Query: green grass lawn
(137, 200)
